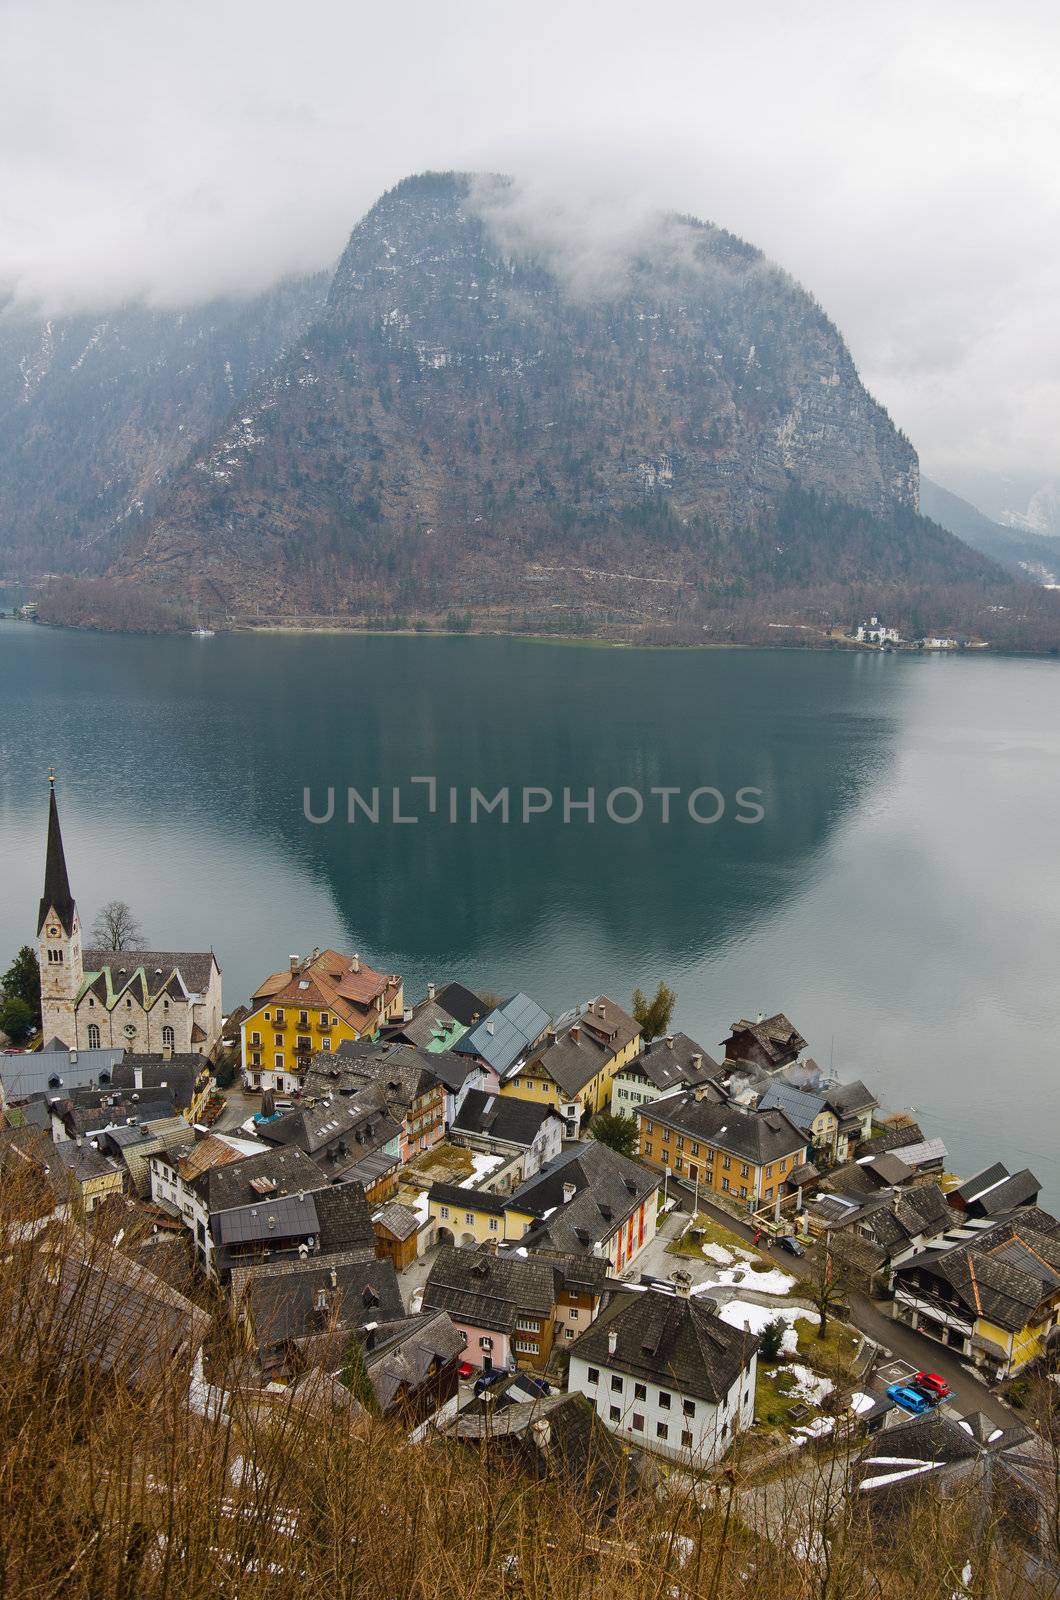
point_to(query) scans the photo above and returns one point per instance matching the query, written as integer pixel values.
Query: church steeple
(56, 896)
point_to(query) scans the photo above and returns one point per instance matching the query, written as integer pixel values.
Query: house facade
(503, 1305)
(573, 1067)
(143, 1000)
(770, 1043)
(672, 1062)
(316, 1003)
(746, 1154)
(664, 1372)
(519, 1130)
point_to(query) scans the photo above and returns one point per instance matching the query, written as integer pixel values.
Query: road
(922, 1353)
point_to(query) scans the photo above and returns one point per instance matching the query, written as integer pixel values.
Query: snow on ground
(742, 1313)
(718, 1253)
(768, 1281)
(808, 1386)
(483, 1166)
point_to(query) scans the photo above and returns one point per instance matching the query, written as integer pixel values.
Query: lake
(900, 898)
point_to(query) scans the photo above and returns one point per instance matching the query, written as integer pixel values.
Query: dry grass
(114, 1488)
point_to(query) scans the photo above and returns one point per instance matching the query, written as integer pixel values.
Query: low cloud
(899, 161)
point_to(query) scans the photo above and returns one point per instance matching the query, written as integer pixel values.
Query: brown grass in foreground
(113, 1485)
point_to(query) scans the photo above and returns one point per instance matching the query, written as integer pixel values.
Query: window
(445, 1211)
(615, 1414)
(279, 1015)
(526, 1348)
(616, 1384)
(93, 1037)
(528, 1324)
(493, 1224)
(640, 1392)
(688, 1407)
(325, 1044)
(680, 1163)
(745, 1171)
(664, 1399)
(768, 1193)
(303, 1044)
(55, 958)
(255, 1059)
(469, 1217)
(686, 1439)
(726, 1163)
(574, 1313)
(593, 1375)
(646, 1149)
(662, 1430)
(277, 1040)
(743, 1191)
(680, 1141)
(695, 1148)
(278, 1060)
(638, 1422)
(485, 1343)
(769, 1170)
(303, 1019)
(725, 1184)
(569, 1333)
(323, 1019)
(724, 1429)
(649, 1127)
(167, 1037)
(255, 1038)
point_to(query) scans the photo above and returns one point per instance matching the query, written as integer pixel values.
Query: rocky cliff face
(97, 411)
(467, 404)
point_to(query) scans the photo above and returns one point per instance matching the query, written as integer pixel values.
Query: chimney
(601, 1009)
(406, 1015)
(682, 1282)
(355, 964)
(700, 1091)
(79, 1141)
(430, 991)
(670, 1043)
(550, 1035)
(576, 1032)
(542, 1433)
(294, 963)
(697, 1059)
(138, 1077)
(612, 1341)
(569, 1191)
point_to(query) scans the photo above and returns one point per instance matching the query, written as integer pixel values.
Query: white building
(874, 632)
(665, 1372)
(161, 1001)
(174, 1175)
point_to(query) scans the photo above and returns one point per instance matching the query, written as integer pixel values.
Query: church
(163, 1001)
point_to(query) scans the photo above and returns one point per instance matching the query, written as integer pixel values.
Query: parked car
(932, 1384)
(792, 1246)
(910, 1399)
(486, 1380)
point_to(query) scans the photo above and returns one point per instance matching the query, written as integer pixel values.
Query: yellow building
(316, 1003)
(995, 1298)
(573, 1066)
(98, 1177)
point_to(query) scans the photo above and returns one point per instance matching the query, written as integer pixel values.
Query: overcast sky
(902, 160)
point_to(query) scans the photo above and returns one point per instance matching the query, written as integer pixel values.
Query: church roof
(56, 896)
(109, 974)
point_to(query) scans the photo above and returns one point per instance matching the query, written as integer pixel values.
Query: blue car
(910, 1399)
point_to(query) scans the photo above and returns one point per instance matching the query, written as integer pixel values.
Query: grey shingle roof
(671, 1340)
(289, 1216)
(893, 1139)
(231, 1184)
(487, 1290)
(608, 1188)
(974, 1186)
(667, 1062)
(799, 1105)
(344, 1218)
(297, 1300)
(850, 1097)
(502, 1117)
(403, 1363)
(1003, 1275)
(34, 1072)
(777, 1035)
(397, 1219)
(453, 1194)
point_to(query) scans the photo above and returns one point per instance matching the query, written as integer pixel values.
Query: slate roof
(777, 1035)
(338, 1130)
(344, 1218)
(85, 1163)
(667, 1063)
(291, 1301)
(915, 1213)
(31, 1074)
(402, 1364)
(401, 1071)
(430, 1028)
(995, 1191)
(282, 1217)
(974, 1186)
(461, 1002)
(506, 1034)
(231, 1184)
(1004, 1275)
(847, 1098)
(57, 895)
(178, 1075)
(398, 1220)
(608, 1188)
(151, 973)
(487, 1290)
(800, 1106)
(454, 1194)
(760, 1137)
(673, 1340)
(893, 1139)
(502, 1117)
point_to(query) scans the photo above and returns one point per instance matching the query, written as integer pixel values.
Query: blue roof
(798, 1104)
(502, 1037)
(56, 1071)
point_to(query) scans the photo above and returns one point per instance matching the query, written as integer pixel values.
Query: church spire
(56, 894)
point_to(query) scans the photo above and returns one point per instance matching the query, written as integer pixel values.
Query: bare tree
(116, 927)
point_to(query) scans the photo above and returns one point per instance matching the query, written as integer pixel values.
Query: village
(587, 1239)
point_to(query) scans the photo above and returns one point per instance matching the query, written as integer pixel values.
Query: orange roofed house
(316, 1003)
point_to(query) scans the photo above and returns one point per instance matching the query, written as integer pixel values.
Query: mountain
(468, 423)
(97, 411)
(1034, 556)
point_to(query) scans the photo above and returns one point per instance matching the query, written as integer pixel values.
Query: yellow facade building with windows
(573, 1066)
(316, 1003)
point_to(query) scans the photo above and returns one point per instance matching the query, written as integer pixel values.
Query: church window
(93, 1038)
(167, 1037)
(55, 958)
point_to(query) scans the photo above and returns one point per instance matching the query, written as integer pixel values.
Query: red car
(931, 1383)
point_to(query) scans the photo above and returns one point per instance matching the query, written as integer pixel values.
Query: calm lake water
(900, 899)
